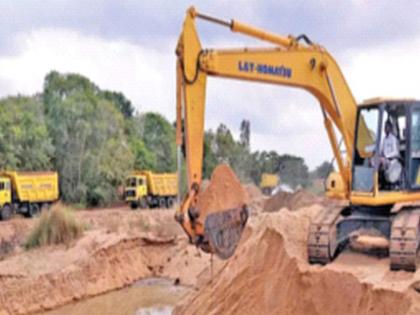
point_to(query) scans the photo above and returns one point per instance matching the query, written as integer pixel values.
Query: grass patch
(56, 226)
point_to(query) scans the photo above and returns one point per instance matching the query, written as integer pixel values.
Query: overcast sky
(128, 46)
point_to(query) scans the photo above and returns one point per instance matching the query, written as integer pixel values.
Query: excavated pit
(121, 247)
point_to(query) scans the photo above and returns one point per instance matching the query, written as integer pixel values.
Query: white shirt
(390, 147)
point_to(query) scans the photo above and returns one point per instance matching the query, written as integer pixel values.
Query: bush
(57, 226)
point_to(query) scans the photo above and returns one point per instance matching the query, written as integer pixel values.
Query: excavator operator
(390, 146)
(390, 156)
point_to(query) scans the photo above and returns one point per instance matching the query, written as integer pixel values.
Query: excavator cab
(385, 177)
(387, 163)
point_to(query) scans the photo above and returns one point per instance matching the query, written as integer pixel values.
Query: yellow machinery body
(31, 186)
(269, 182)
(27, 192)
(361, 178)
(146, 188)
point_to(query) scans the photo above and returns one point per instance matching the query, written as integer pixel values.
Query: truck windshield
(131, 182)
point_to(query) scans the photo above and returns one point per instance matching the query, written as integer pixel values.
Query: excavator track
(322, 236)
(404, 240)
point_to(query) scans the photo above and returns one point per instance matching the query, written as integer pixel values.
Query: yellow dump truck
(27, 192)
(269, 182)
(146, 189)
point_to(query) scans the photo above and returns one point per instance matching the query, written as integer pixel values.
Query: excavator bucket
(222, 213)
(224, 230)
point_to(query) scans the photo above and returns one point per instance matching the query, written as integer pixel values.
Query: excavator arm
(292, 61)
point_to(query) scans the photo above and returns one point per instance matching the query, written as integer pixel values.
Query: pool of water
(153, 296)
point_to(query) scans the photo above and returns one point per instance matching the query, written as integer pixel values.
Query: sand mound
(269, 275)
(204, 184)
(223, 193)
(256, 199)
(253, 191)
(291, 201)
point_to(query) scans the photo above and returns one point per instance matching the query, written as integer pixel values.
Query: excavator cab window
(381, 148)
(415, 148)
(366, 147)
(392, 150)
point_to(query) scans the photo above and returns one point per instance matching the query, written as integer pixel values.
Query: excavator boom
(292, 61)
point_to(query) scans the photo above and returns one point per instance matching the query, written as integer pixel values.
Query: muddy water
(153, 296)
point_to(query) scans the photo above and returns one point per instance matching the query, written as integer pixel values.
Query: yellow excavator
(378, 156)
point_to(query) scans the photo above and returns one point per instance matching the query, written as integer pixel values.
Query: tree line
(94, 138)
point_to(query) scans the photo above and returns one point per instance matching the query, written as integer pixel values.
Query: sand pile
(256, 199)
(253, 191)
(204, 184)
(269, 275)
(291, 201)
(224, 192)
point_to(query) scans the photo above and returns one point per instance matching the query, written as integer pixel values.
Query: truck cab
(135, 189)
(268, 183)
(147, 189)
(5, 191)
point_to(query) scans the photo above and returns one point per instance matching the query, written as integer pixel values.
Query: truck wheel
(33, 210)
(5, 213)
(170, 202)
(134, 205)
(162, 202)
(143, 203)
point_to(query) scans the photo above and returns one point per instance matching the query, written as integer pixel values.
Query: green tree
(144, 159)
(210, 160)
(92, 153)
(293, 171)
(121, 102)
(58, 86)
(158, 137)
(224, 145)
(221, 147)
(24, 140)
(323, 170)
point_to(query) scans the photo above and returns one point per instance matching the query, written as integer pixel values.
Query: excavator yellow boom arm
(295, 62)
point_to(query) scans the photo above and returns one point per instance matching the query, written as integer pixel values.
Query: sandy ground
(120, 247)
(268, 274)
